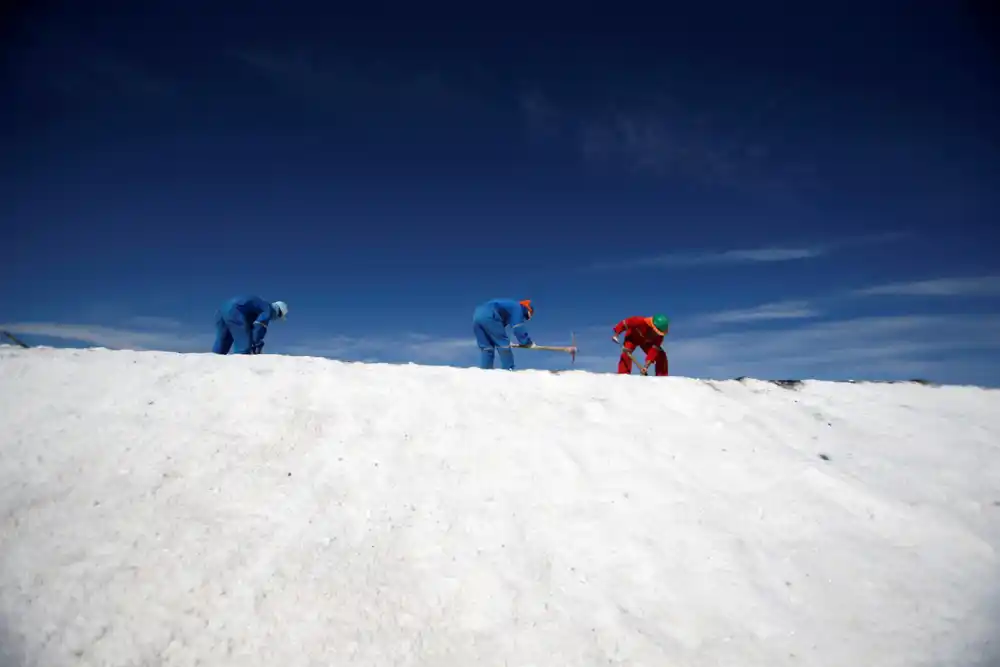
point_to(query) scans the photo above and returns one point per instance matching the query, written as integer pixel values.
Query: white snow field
(190, 509)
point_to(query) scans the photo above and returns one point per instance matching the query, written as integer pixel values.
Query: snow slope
(168, 509)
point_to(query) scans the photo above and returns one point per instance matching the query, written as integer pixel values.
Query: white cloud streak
(329, 82)
(780, 310)
(416, 347)
(154, 322)
(687, 260)
(154, 333)
(978, 286)
(844, 347)
(762, 255)
(113, 337)
(296, 69)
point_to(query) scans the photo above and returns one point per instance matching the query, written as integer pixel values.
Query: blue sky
(805, 191)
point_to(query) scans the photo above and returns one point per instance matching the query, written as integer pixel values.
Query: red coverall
(641, 334)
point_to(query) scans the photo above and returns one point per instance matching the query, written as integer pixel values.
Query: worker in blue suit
(241, 324)
(490, 322)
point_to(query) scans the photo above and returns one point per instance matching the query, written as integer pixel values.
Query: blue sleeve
(260, 324)
(517, 323)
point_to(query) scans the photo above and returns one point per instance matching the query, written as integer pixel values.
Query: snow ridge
(168, 508)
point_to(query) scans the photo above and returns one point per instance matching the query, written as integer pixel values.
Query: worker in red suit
(647, 334)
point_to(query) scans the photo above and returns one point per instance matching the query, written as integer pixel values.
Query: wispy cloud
(675, 139)
(979, 286)
(131, 76)
(339, 347)
(330, 82)
(761, 255)
(814, 307)
(843, 348)
(114, 337)
(155, 333)
(686, 260)
(779, 310)
(73, 64)
(543, 119)
(415, 347)
(595, 363)
(295, 70)
(154, 322)
(435, 348)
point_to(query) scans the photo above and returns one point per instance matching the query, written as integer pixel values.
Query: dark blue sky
(805, 190)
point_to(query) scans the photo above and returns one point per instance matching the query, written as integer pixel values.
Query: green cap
(661, 323)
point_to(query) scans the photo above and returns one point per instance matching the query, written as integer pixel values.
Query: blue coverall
(241, 324)
(490, 322)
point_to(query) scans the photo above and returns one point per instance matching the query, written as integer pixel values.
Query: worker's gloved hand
(615, 338)
(528, 344)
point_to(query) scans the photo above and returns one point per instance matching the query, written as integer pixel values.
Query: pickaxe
(572, 349)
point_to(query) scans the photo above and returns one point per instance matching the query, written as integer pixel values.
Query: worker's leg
(498, 334)
(486, 346)
(242, 336)
(656, 355)
(223, 339)
(625, 362)
(506, 357)
(492, 334)
(662, 364)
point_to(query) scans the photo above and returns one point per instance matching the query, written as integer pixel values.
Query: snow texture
(171, 509)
